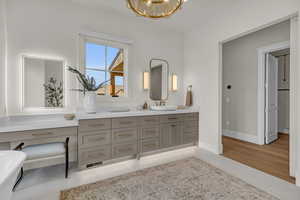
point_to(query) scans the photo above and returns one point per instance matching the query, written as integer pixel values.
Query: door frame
(295, 59)
(261, 79)
(261, 97)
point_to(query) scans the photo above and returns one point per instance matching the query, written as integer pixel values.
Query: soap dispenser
(145, 106)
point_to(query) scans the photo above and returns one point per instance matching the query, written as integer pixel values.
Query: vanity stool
(44, 151)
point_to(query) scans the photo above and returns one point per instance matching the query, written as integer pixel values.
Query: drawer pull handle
(42, 134)
(172, 118)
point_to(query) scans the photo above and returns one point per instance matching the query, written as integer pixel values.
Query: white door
(271, 131)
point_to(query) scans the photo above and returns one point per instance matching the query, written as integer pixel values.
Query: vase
(89, 102)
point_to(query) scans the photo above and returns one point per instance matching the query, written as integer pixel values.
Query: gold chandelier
(155, 8)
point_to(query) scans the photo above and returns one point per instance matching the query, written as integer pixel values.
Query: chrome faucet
(162, 103)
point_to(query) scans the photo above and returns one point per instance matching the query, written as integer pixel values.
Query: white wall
(2, 55)
(240, 61)
(50, 28)
(202, 57)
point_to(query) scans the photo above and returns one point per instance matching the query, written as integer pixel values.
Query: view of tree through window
(106, 63)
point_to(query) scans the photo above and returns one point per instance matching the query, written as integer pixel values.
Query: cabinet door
(176, 134)
(170, 135)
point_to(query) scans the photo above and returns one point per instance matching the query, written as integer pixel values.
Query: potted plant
(89, 90)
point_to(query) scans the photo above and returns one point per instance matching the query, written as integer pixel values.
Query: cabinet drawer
(94, 125)
(96, 154)
(124, 135)
(37, 134)
(189, 116)
(94, 139)
(148, 121)
(125, 122)
(171, 118)
(128, 149)
(149, 145)
(149, 132)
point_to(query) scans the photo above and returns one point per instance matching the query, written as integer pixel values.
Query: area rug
(188, 179)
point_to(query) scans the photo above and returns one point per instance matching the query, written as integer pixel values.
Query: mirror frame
(43, 109)
(168, 76)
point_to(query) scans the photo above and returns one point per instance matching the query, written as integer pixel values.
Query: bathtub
(10, 165)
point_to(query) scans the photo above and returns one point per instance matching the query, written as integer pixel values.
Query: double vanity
(102, 138)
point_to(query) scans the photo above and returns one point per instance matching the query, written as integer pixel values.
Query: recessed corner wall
(51, 27)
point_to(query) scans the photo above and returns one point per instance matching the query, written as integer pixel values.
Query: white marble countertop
(82, 116)
(35, 122)
(25, 123)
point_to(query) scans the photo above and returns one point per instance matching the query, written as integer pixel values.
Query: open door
(271, 106)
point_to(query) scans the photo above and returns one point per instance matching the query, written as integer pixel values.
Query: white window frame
(105, 40)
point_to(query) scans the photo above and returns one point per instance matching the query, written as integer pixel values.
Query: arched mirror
(159, 79)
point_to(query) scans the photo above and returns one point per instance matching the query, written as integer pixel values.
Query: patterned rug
(188, 179)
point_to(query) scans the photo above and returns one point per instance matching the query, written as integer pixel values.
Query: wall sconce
(146, 80)
(174, 82)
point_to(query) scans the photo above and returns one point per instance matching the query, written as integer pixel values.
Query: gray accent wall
(240, 60)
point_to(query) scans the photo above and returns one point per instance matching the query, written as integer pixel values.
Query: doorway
(256, 98)
(277, 93)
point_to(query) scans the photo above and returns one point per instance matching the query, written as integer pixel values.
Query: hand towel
(189, 97)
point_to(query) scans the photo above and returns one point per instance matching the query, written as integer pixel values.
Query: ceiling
(183, 20)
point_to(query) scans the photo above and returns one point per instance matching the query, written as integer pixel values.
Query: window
(106, 62)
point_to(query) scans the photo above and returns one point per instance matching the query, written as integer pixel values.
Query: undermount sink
(11, 163)
(163, 108)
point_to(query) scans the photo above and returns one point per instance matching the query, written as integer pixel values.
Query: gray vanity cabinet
(94, 141)
(149, 134)
(101, 140)
(190, 128)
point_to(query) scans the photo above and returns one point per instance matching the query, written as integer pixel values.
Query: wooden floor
(272, 159)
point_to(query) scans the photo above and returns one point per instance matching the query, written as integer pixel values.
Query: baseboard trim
(241, 136)
(284, 130)
(212, 148)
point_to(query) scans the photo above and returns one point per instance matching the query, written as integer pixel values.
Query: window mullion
(106, 69)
